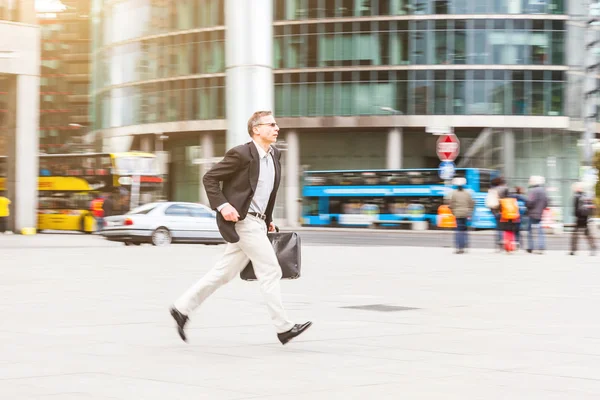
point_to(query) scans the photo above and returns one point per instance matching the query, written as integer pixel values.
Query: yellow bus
(64, 204)
(68, 183)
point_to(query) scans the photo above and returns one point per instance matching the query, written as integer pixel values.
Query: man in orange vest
(97, 212)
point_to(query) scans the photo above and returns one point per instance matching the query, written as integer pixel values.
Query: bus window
(315, 180)
(370, 178)
(350, 178)
(335, 206)
(64, 200)
(485, 181)
(310, 206)
(44, 167)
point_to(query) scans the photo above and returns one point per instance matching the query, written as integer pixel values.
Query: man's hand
(272, 227)
(230, 213)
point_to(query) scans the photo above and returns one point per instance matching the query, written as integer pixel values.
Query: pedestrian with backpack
(537, 202)
(510, 220)
(584, 208)
(522, 201)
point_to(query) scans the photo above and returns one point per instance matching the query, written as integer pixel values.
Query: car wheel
(161, 237)
(128, 243)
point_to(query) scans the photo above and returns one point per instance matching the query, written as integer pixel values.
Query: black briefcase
(287, 248)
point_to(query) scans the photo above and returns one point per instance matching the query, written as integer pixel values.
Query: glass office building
(357, 83)
(65, 76)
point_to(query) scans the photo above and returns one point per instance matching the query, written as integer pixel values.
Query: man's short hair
(253, 121)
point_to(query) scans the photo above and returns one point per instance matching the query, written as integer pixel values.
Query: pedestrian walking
(96, 209)
(108, 206)
(537, 202)
(510, 220)
(497, 190)
(522, 202)
(584, 208)
(461, 205)
(4, 212)
(250, 176)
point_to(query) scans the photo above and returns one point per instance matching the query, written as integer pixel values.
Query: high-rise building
(357, 83)
(65, 75)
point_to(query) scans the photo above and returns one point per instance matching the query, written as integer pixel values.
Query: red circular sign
(447, 147)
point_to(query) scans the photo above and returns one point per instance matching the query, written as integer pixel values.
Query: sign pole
(135, 192)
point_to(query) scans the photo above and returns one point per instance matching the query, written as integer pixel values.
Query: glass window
(460, 47)
(399, 7)
(310, 206)
(479, 52)
(144, 209)
(200, 212)
(478, 104)
(558, 54)
(556, 98)
(500, 91)
(178, 210)
(460, 6)
(399, 48)
(279, 10)
(441, 47)
(519, 104)
(459, 97)
(419, 7)
(363, 8)
(440, 97)
(556, 7)
(419, 46)
(420, 97)
(296, 9)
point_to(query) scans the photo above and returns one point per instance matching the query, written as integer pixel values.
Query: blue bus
(363, 198)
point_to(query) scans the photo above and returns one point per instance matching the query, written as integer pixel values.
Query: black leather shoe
(292, 333)
(181, 321)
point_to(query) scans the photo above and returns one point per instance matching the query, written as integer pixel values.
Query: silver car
(164, 223)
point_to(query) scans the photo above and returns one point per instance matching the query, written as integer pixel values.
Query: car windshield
(145, 209)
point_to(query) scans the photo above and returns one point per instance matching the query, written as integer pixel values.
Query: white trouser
(253, 245)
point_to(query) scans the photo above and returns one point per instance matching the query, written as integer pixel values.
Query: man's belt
(259, 215)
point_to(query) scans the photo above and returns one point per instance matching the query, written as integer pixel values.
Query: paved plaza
(83, 318)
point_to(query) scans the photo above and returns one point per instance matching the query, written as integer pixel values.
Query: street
(434, 238)
(348, 237)
(84, 318)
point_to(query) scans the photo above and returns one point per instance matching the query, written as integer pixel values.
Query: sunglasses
(271, 124)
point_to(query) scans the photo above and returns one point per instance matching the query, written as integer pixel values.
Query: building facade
(19, 116)
(357, 84)
(65, 75)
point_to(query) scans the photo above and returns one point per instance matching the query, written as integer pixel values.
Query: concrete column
(208, 151)
(249, 64)
(23, 145)
(292, 179)
(27, 11)
(508, 156)
(394, 149)
(146, 144)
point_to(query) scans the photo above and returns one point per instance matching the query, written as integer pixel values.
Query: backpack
(586, 206)
(509, 209)
(491, 200)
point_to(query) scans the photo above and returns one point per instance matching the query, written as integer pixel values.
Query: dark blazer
(238, 171)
